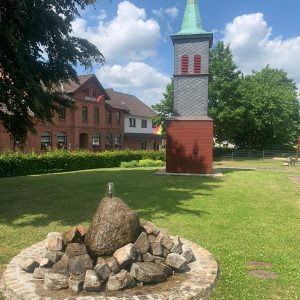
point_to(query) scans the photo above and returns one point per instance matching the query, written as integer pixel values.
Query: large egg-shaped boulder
(114, 225)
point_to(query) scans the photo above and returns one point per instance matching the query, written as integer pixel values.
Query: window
(46, 140)
(61, 112)
(118, 118)
(144, 145)
(131, 122)
(87, 92)
(84, 113)
(108, 141)
(108, 117)
(118, 141)
(144, 123)
(96, 139)
(96, 114)
(94, 93)
(184, 64)
(197, 64)
(61, 140)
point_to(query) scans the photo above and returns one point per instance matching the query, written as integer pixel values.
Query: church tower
(190, 131)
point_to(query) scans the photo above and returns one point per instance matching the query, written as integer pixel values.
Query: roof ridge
(122, 93)
(135, 105)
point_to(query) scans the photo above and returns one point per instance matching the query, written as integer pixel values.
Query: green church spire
(192, 23)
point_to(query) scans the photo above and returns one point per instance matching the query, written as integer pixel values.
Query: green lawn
(273, 164)
(240, 217)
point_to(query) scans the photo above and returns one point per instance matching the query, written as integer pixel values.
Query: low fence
(257, 154)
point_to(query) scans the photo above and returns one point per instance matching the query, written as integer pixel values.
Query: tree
(223, 92)
(267, 112)
(37, 51)
(164, 108)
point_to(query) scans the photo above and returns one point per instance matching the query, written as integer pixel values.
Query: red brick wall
(189, 146)
(5, 142)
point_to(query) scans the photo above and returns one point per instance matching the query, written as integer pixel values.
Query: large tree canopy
(37, 50)
(256, 111)
(223, 91)
(267, 113)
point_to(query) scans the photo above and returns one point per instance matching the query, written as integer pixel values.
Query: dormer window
(184, 64)
(197, 64)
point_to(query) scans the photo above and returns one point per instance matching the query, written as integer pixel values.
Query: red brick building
(89, 125)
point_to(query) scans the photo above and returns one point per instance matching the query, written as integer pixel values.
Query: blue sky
(134, 37)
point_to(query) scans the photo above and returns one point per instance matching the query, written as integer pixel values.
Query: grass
(240, 217)
(258, 164)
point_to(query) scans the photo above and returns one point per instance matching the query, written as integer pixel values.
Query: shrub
(151, 163)
(17, 163)
(142, 163)
(129, 164)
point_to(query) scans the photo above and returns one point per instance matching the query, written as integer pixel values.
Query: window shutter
(184, 64)
(197, 64)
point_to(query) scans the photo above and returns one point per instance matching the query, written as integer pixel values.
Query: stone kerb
(194, 284)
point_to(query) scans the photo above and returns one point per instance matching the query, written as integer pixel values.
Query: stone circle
(195, 282)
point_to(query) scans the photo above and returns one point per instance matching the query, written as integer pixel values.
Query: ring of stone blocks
(17, 284)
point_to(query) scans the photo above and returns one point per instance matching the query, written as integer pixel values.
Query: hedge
(18, 164)
(142, 163)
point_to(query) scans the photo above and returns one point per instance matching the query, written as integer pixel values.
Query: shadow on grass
(233, 169)
(71, 198)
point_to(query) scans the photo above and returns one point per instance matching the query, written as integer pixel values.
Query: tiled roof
(129, 102)
(71, 86)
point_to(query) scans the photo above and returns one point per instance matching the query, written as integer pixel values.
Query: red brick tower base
(189, 145)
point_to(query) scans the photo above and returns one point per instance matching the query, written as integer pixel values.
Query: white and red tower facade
(190, 130)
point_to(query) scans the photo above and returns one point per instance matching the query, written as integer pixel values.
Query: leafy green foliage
(256, 111)
(267, 112)
(129, 164)
(17, 163)
(223, 92)
(151, 163)
(143, 163)
(164, 108)
(37, 51)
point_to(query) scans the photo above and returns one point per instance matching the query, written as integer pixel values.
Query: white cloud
(170, 11)
(136, 78)
(128, 36)
(253, 47)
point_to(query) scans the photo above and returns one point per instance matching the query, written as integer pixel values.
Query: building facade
(89, 125)
(138, 129)
(190, 130)
(118, 121)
